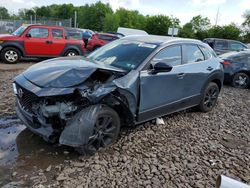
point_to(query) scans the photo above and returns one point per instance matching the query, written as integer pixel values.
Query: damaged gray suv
(83, 102)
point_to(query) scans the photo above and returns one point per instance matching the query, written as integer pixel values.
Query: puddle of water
(10, 127)
(24, 152)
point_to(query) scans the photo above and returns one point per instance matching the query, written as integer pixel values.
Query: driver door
(159, 93)
(38, 42)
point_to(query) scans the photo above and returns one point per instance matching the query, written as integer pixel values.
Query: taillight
(226, 62)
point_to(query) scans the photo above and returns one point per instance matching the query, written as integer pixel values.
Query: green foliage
(187, 31)
(4, 14)
(158, 25)
(111, 22)
(200, 23)
(246, 26)
(100, 17)
(227, 32)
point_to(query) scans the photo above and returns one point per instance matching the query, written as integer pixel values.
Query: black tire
(240, 80)
(210, 97)
(10, 55)
(71, 53)
(103, 134)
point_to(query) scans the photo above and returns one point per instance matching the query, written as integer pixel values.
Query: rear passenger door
(196, 67)
(57, 42)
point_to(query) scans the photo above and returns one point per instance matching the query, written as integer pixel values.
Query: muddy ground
(190, 150)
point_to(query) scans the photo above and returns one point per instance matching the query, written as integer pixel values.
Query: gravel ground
(190, 150)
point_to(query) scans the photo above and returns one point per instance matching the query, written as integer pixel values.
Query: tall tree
(4, 14)
(200, 23)
(158, 25)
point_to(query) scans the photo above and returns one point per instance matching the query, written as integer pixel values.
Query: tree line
(101, 17)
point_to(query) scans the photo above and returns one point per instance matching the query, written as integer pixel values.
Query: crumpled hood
(64, 72)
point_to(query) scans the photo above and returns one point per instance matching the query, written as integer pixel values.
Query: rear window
(221, 44)
(236, 46)
(73, 34)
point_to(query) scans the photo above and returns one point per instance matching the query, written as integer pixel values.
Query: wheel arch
(120, 104)
(18, 46)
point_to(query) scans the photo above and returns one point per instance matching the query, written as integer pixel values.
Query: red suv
(40, 41)
(100, 39)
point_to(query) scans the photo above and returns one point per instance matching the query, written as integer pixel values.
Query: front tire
(210, 97)
(10, 55)
(240, 80)
(105, 132)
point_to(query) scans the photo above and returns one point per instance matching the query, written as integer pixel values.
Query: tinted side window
(235, 46)
(220, 44)
(105, 37)
(206, 52)
(193, 54)
(39, 32)
(170, 55)
(73, 34)
(57, 33)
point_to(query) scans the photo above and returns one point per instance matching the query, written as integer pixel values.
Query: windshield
(123, 53)
(19, 31)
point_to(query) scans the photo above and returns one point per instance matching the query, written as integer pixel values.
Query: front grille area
(26, 98)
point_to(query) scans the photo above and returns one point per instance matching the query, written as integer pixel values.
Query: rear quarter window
(73, 34)
(193, 53)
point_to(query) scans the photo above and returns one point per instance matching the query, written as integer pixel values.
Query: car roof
(221, 39)
(157, 39)
(53, 26)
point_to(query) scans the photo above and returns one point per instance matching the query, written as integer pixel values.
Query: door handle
(210, 68)
(180, 75)
(49, 42)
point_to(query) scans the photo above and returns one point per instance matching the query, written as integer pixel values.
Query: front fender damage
(114, 94)
(78, 129)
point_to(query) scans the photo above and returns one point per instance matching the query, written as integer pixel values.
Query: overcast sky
(229, 10)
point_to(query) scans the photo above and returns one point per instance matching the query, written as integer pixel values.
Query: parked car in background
(222, 46)
(237, 68)
(83, 102)
(100, 39)
(40, 41)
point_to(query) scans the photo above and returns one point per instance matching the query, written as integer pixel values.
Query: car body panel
(239, 62)
(143, 96)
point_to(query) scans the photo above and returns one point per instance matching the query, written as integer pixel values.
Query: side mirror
(161, 67)
(28, 35)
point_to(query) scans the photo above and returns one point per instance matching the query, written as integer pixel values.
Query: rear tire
(105, 132)
(71, 53)
(240, 80)
(10, 55)
(210, 97)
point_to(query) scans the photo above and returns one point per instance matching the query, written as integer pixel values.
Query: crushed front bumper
(29, 120)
